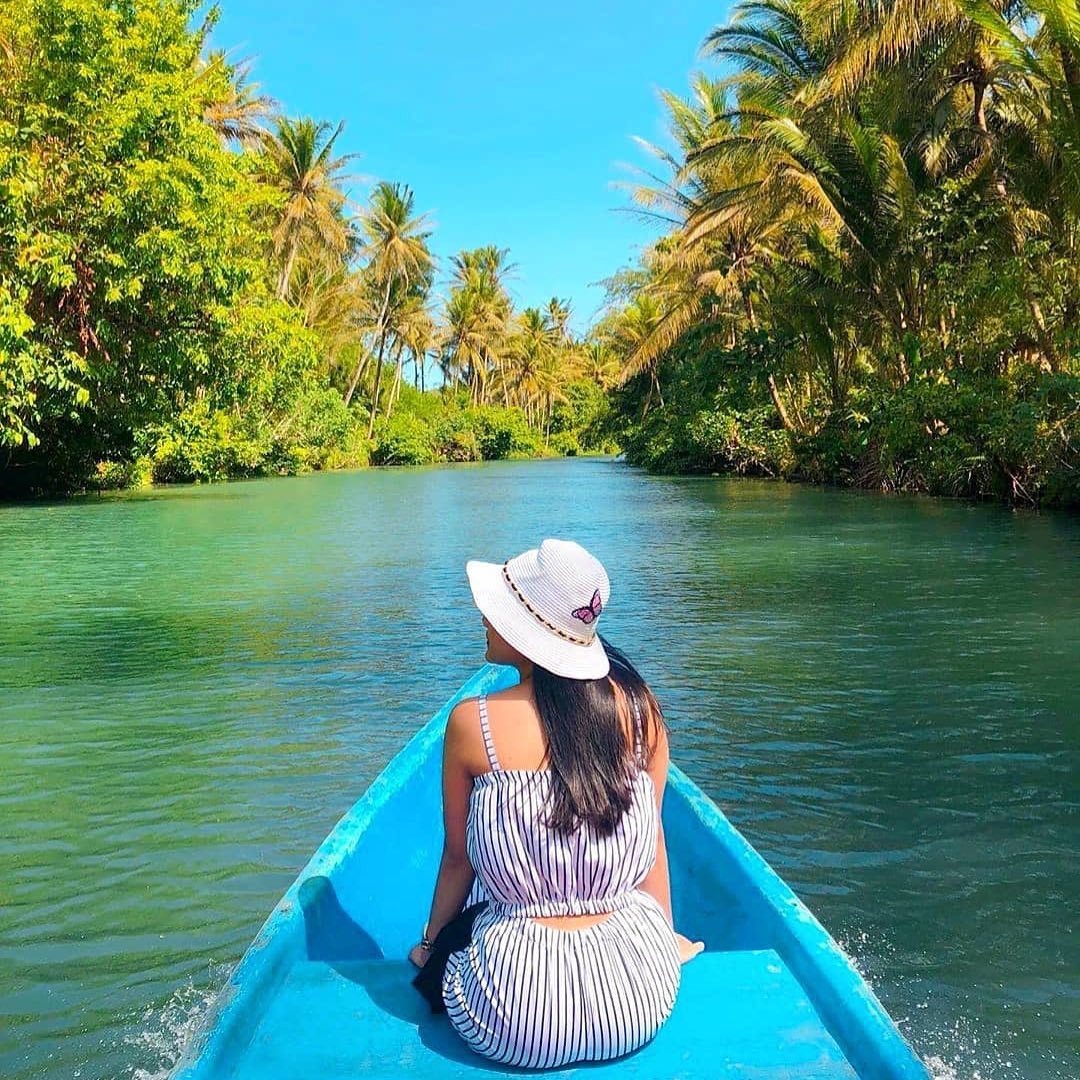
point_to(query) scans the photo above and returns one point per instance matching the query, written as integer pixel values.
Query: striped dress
(536, 996)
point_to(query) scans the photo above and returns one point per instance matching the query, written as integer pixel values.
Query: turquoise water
(197, 682)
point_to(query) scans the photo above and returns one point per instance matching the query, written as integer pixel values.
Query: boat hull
(323, 990)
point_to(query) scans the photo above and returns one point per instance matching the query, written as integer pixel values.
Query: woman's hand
(688, 949)
(419, 955)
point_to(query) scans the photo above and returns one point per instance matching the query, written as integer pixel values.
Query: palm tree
(852, 185)
(532, 348)
(414, 332)
(398, 257)
(236, 110)
(629, 331)
(479, 311)
(711, 266)
(600, 364)
(557, 314)
(299, 162)
(944, 61)
(330, 297)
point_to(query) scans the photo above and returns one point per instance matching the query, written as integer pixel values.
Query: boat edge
(850, 1009)
(223, 1022)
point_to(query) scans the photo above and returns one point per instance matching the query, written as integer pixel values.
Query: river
(883, 693)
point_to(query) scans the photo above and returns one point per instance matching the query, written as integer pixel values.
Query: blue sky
(509, 120)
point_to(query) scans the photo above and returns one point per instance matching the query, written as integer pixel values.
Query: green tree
(125, 230)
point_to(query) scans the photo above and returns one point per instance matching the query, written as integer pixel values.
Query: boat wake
(957, 1052)
(164, 1030)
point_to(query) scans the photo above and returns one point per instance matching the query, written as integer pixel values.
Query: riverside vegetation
(868, 274)
(188, 293)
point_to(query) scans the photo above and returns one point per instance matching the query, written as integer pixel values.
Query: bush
(455, 440)
(565, 443)
(503, 432)
(970, 434)
(111, 475)
(203, 444)
(323, 430)
(585, 414)
(404, 439)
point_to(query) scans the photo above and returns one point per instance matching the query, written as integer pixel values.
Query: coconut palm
(600, 364)
(947, 64)
(398, 259)
(557, 314)
(299, 161)
(236, 109)
(532, 347)
(414, 332)
(478, 319)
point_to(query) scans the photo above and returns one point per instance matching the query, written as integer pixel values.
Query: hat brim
(523, 632)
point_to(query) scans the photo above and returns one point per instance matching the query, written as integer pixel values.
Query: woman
(551, 800)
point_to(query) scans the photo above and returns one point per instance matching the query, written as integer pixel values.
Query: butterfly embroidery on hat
(588, 614)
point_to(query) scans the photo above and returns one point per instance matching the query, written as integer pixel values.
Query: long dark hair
(591, 760)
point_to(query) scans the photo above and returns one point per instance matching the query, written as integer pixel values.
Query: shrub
(110, 475)
(455, 440)
(565, 443)
(204, 444)
(503, 432)
(404, 439)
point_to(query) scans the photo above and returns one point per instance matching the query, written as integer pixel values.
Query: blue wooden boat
(324, 991)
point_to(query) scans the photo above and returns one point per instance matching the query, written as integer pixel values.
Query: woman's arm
(657, 881)
(455, 871)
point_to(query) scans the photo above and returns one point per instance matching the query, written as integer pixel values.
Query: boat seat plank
(739, 1014)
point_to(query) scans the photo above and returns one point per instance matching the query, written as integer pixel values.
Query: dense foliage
(186, 294)
(871, 272)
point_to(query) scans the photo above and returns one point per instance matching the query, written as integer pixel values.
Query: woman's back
(530, 991)
(528, 868)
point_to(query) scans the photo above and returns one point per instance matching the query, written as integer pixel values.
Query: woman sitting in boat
(553, 845)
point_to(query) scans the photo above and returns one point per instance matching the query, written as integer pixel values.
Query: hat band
(536, 614)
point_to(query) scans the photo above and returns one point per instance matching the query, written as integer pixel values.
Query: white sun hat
(545, 603)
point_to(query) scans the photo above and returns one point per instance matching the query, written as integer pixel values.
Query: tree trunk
(1046, 342)
(361, 367)
(361, 363)
(748, 307)
(978, 108)
(774, 393)
(286, 273)
(1071, 70)
(375, 390)
(395, 387)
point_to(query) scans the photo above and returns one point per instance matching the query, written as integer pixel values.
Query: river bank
(1013, 439)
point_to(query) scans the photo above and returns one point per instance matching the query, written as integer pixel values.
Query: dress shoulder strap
(485, 730)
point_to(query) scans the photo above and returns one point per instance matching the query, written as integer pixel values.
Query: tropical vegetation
(189, 292)
(868, 272)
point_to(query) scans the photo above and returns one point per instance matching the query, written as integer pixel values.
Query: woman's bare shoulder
(463, 738)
